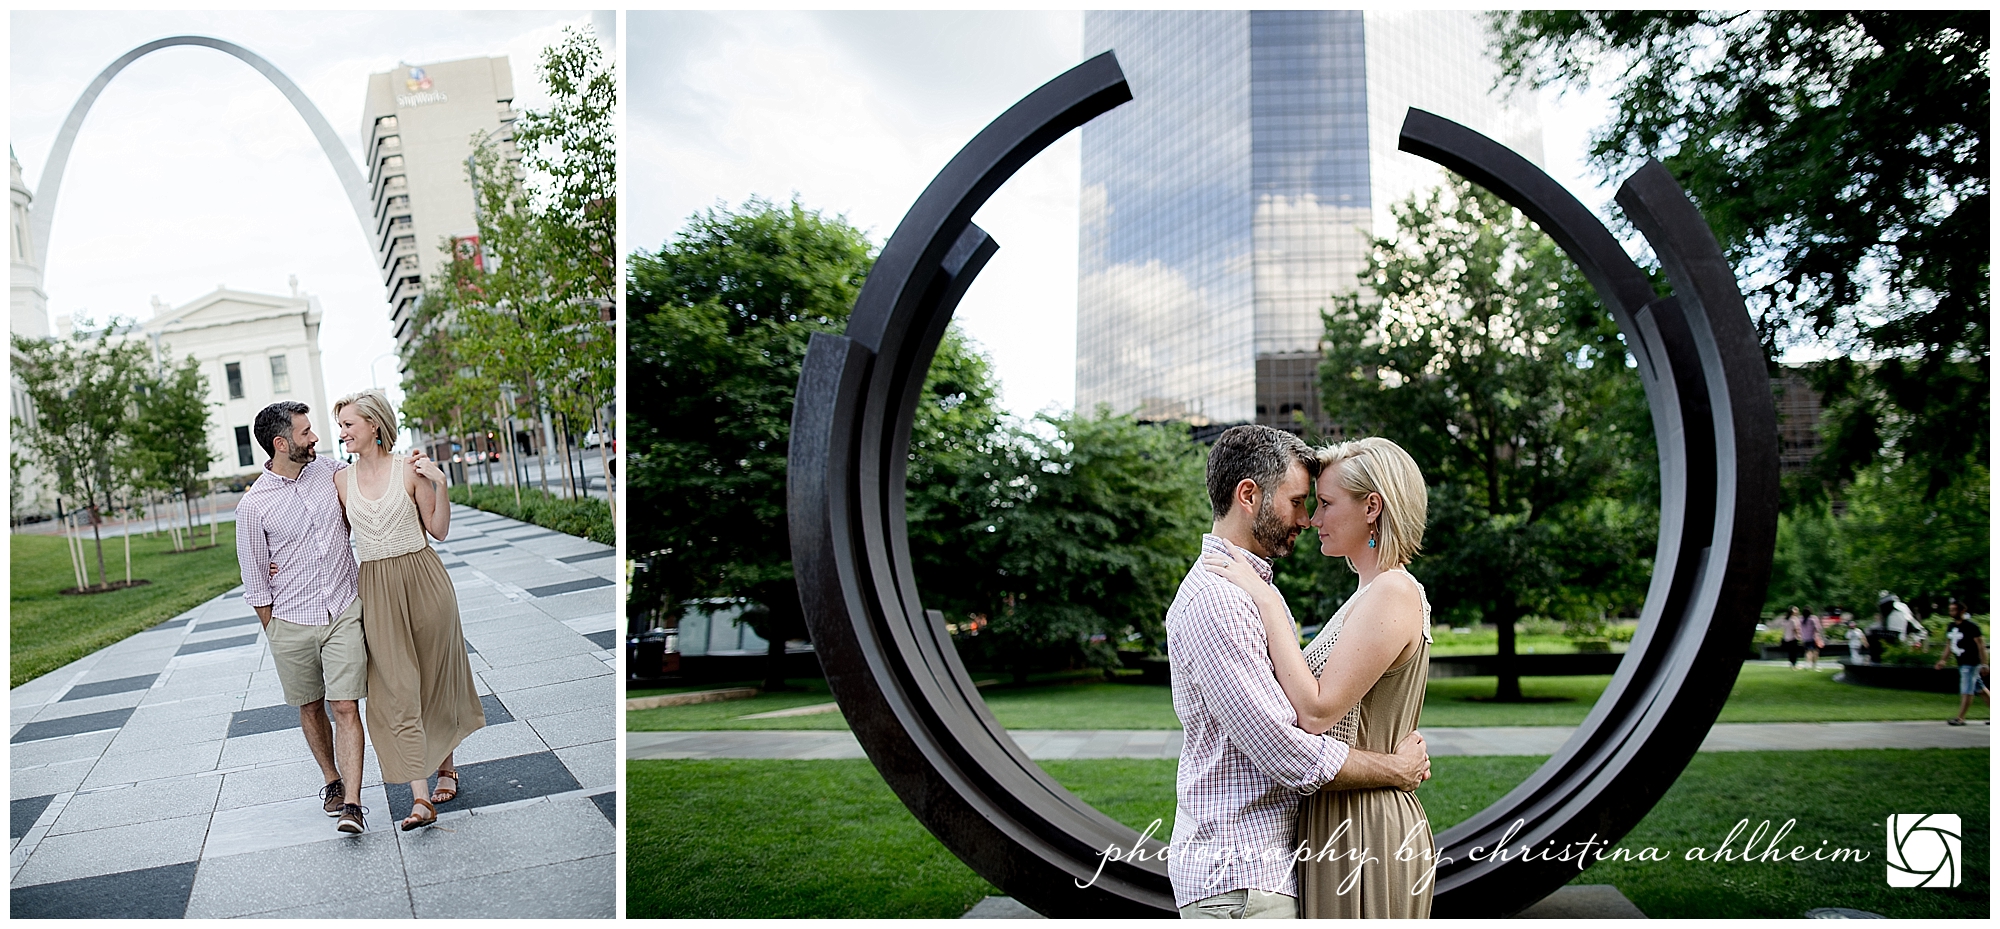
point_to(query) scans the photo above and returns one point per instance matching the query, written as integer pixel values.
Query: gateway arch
(41, 215)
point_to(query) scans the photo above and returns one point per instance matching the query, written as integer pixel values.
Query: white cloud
(855, 113)
(1182, 349)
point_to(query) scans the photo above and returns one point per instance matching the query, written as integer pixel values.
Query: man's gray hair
(276, 420)
(1260, 453)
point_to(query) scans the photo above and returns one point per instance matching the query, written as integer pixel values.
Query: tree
(1067, 534)
(571, 150)
(1478, 347)
(84, 392)
(1841, 157)
(170, 434)
(528, 307)
(1894, 536)
(720, 320)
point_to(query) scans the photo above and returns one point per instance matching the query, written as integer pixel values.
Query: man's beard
(1273, 533)
(302, 454)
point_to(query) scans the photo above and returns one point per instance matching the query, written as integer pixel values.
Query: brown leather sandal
(412, 822)
(446, 794)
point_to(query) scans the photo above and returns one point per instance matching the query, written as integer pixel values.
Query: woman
(422, 700)
(1788, 637)
(1810, 635)
(1371, 661)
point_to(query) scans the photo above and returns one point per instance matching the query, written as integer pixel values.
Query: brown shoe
(443, 794)
(418, 822)
(353, 819)
(333, 797)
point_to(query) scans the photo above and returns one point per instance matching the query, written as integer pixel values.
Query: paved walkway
(1166, 743)
(163, 776)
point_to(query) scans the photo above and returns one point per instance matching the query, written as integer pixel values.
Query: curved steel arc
(42, 214)
(888, 661)
(923, 724)
(1704, 378)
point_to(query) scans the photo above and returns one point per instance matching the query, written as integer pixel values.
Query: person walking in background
(1812, 637)
(1788, 637)
(1963, 641)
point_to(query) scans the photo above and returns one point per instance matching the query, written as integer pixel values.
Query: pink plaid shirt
(1244, 761)
(299, 525)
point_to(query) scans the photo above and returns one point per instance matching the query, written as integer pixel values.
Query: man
(300, 576)
(1788, 638)
(1811, 637)
(1966, 643)
(1244, 762)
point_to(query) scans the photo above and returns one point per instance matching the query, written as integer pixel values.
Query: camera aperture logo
(1924, 849)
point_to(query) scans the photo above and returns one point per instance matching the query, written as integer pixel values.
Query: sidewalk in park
(1166, 743)
(164, 776)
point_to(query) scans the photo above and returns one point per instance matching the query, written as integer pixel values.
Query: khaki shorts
(1243, 904)
(321, 662)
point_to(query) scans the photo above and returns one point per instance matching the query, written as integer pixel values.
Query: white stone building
(255, 350)
(29, 317)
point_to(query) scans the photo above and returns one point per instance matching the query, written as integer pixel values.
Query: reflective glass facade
(1165, 256)
(1237, 192)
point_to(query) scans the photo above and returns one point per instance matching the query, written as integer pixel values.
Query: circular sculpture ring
(892, 667)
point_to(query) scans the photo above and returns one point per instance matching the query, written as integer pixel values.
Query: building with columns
(28, 317)
(255, 349)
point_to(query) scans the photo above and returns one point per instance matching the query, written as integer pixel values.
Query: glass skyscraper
(1237, 192)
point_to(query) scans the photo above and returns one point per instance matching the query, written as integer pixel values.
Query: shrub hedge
(589, 517)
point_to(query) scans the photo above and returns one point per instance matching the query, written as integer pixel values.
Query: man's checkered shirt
(299, 525)
(1244, 761)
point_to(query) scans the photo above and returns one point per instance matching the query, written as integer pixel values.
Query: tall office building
(1237, 192)
(417, 129)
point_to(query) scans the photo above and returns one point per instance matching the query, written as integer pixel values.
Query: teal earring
(1371, 536)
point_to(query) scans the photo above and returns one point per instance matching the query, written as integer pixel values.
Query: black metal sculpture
(913, 708)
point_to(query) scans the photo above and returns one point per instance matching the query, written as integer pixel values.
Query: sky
(854, 113)
(193, 171)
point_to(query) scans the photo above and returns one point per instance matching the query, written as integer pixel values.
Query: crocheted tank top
(1322, 645)
(386, 526)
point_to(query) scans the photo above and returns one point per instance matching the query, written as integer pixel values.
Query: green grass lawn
(1486, 641)
(1763, 693)
(47, 630)
(1082, 705)
(723, 839)
(723, 715)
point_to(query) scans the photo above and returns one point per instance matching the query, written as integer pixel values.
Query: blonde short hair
(374, 406)
(1379, 466)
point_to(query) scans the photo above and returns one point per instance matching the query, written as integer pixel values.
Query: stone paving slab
(1166, 743)
(163, 776)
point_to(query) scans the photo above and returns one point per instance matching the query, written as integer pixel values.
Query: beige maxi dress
(1388, 823)
(422, 700)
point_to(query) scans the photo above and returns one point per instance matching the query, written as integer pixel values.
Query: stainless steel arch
(42, 215)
